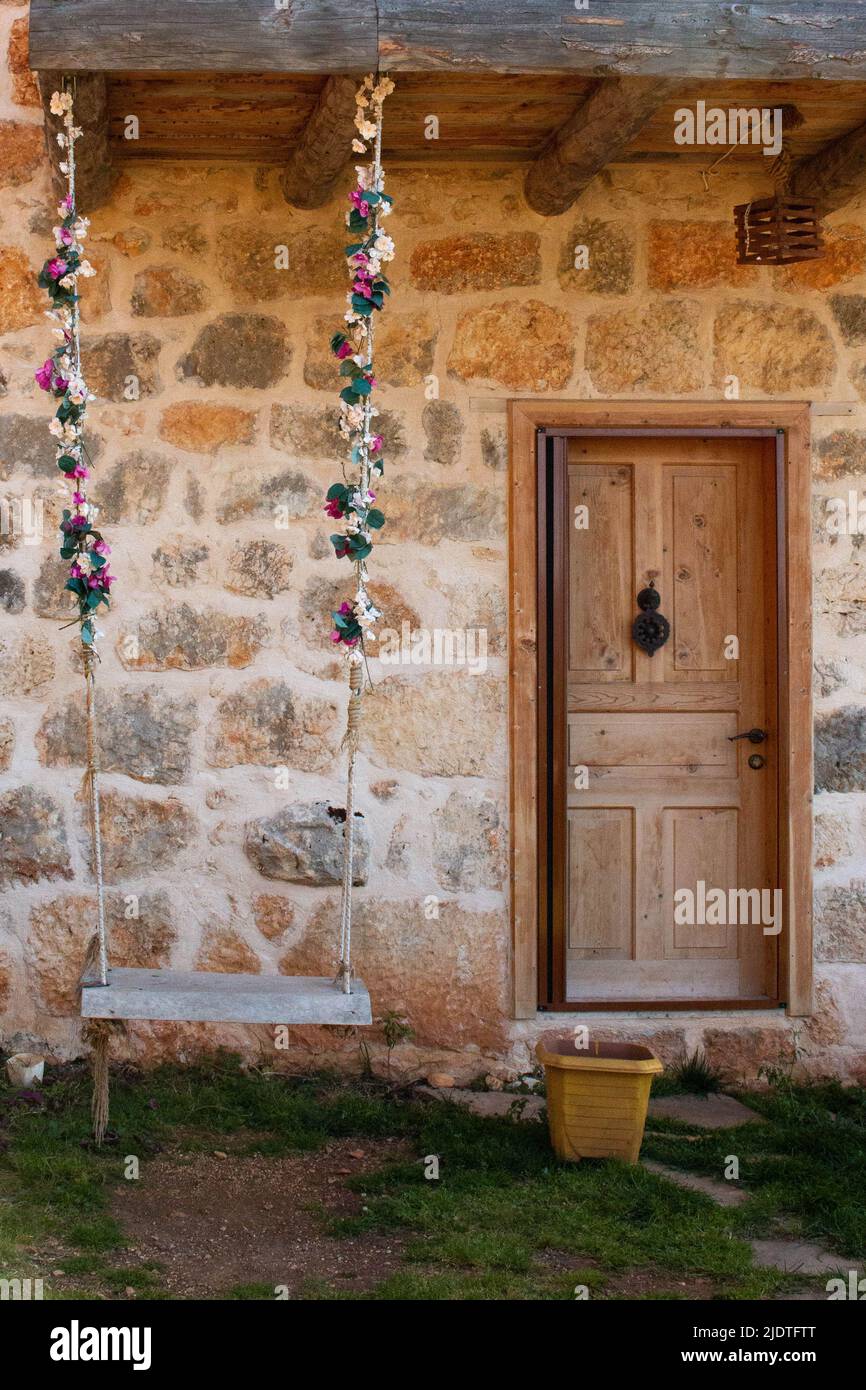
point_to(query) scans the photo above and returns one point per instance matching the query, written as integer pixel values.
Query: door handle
(753, 735)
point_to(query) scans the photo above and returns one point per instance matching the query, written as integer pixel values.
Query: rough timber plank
(203, 35)
(640, 38)
(205, 997)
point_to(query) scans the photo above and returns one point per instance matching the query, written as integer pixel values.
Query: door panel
(664, 818)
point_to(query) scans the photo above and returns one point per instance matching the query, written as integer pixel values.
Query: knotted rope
(351, 740)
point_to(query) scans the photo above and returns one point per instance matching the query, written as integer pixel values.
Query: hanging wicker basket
(777, 231)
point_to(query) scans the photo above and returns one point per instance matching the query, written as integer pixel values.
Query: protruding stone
(7, 743)
(462, 512)
(227, 953)
(772, 347)
(177, 563)
(50, 600)
(239, 350)
(651, 349)
(694, 256)
(321, 596)
(22, 152)
(844, 258)
(186, 237)
(25, 91)
(840, 750)
(259, 569)
(608, 250)
(60, 931)
(273, 914)
(133, 493)
(26, 665)
(123, 366)
(521, 344)
(312, 432)
(139, 835)
(443, 426)
(476, 261)
(143, 733)
(167, 292)
(404, 352)
(204, 427)
(840, 922)
(405, 728)
(280, 497)
(27, 447)
(469, 843)
(182, 638)
(841, 454)
(11, 591)
(21, 301)
(266, 724)
(849, 311)
(304, 843)
(255, 269)
(33, 842)
(131, 241)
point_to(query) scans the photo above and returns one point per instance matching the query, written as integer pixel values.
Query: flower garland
(351, 501)
(89, 578)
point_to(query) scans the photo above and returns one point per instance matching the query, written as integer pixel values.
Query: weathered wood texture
(321, 155)
(204, 35)
(599, 131)
(835, 174)
(695, 38)
(213, 997)
(94, 175)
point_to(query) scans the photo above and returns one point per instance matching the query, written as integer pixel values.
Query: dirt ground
(212, 1223)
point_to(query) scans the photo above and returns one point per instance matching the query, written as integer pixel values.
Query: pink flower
(44, 374)
(107, 579)
(361, 287)
(79, 471)
(345, 609)
(66, 236)
(60, 385)
(78, 520)
(76, 572)
(67, 202)
(335, 636)
(101, 547)
(57, 268)
(78, 499)
(356, 198)
(333, 509)
(344, 350)
(376, 443)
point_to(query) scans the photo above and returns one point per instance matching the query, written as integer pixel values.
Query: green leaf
(375, 518)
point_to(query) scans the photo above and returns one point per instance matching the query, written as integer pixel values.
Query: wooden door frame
(791, 421)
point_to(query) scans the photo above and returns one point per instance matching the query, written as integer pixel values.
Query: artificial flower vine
(89, 578)
(352, 500)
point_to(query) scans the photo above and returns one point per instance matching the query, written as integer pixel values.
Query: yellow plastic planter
(597, 1098)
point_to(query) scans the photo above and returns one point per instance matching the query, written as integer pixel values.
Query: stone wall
(221, 699)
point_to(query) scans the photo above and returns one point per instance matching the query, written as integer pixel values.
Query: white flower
(61, 102)
(359, 147)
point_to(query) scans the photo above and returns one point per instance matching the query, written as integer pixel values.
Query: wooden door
(654, 798)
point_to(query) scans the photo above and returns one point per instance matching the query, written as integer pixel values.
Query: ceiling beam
(324, 149)
(94, 175)
(634, 38)
(598, 132)
(835, 174)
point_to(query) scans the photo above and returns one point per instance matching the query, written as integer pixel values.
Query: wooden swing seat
(197, 996)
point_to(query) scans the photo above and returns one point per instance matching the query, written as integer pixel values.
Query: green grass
(504, 1220)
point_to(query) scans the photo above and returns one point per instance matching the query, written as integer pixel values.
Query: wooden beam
(636, 38)
(835, 174)
(204, 35)
(324, 148)
(599, 130)
(94, 175)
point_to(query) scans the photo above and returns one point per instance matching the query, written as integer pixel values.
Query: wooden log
(204, 35)
(324, 148)
(640, 38)
(94, 175)
(835, 174)
(601, 127)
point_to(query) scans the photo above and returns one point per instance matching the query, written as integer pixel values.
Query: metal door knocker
(650, 629)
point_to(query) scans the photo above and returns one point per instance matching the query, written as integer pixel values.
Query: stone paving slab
(710, 1112)
(487, 1102)
(727, 1194)
(798, 1257)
